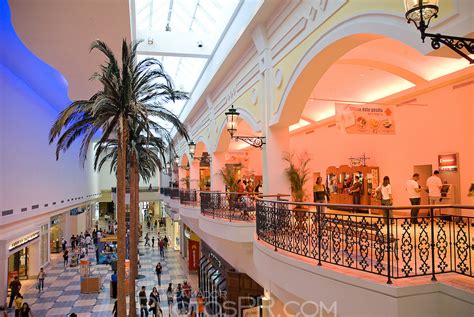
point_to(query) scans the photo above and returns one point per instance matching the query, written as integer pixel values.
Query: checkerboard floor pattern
(61, 294)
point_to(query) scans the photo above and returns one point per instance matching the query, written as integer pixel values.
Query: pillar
(277, 138)
(194, 175)
(218, 162)
(34, 258)
(3, 271)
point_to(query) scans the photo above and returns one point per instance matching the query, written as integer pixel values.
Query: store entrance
(18, 264)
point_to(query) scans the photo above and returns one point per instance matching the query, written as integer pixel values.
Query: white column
(34, 261)
(194, 174)
(277, 138)
(218, 162)
(3, 271)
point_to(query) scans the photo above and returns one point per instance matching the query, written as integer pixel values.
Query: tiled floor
(62, 296)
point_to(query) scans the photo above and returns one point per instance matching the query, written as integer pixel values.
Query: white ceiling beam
(181, 44)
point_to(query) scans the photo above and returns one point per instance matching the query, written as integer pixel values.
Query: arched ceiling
(371, 71)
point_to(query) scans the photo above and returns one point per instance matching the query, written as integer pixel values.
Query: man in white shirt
(413, 189)
(434, 184)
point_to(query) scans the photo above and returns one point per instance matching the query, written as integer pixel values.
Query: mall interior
(308, 122)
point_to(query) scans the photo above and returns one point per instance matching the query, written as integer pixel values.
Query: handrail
(231, 206)
(391, 246)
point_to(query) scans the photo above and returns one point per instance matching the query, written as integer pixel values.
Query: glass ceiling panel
(208, 17)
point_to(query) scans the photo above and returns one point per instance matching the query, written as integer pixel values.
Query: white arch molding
(350, 34)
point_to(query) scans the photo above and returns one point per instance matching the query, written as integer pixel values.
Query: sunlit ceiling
(186, 19)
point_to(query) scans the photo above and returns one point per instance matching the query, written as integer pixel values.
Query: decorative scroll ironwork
(462, 247)
(424, 246)
(188, 197)
(229, 206)
(363, 242)
(457, 44)
(255, 141)
(406, 247)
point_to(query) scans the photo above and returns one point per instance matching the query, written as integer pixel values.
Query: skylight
(172, 30)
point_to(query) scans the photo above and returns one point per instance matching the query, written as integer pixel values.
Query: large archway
(237, 156)
(373, 70)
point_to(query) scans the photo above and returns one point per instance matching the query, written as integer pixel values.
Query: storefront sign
(193, 255)
(252, 312)
(23, 240)
(76, 211)
(365, 119)
(448, 162)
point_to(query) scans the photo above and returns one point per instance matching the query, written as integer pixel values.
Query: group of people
(244, 186)
(187, 302)
(79, 246)
(22, 308)
(383, 192)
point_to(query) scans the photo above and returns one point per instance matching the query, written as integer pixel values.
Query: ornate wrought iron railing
(229, 206)
(174, 193)
(189, 197)
(165, 191)
(396, 247)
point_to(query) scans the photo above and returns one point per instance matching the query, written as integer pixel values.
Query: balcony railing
(174, 193)
(165, 191)
(189, 197)
(395, 247)
(229, 206)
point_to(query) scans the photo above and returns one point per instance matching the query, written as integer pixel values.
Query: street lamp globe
(232, 120)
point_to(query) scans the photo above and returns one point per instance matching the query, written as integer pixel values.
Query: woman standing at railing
(387, 200)
(320, 192)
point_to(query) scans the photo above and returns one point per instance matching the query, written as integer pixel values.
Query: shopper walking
(143, 302)
(147, 240)
(154, 302)
(153, 242)
(66, 257)
(161, 244)
(434, 185)
(179, 299)
(64, 244)
(200, 305)
(414, 189)
(320, 193)
(15, 287)
(26, 311)
(158, 270)
(387, 200)
(18, 304)
(186, 296)
(169, 297)
(41, 276)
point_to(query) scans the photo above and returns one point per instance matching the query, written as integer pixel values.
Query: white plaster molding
(377, 24)
(278, 78)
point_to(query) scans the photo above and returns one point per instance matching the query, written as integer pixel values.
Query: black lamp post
(192, 148)
(420, 12)
(232, 121)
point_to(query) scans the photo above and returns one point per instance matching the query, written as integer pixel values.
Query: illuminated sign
(448, 162)
(23, 240)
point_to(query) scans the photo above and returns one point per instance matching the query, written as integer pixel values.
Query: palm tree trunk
(122, 229)
(134, 201)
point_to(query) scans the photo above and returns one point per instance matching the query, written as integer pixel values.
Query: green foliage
(229, 177)
(297, 174)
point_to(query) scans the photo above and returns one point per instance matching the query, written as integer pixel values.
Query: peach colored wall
(422, 132)
(60, 33)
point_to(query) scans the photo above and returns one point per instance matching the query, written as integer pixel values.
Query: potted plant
(298, 174)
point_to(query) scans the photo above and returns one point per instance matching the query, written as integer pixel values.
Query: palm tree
(132, 91)
(147, 155)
